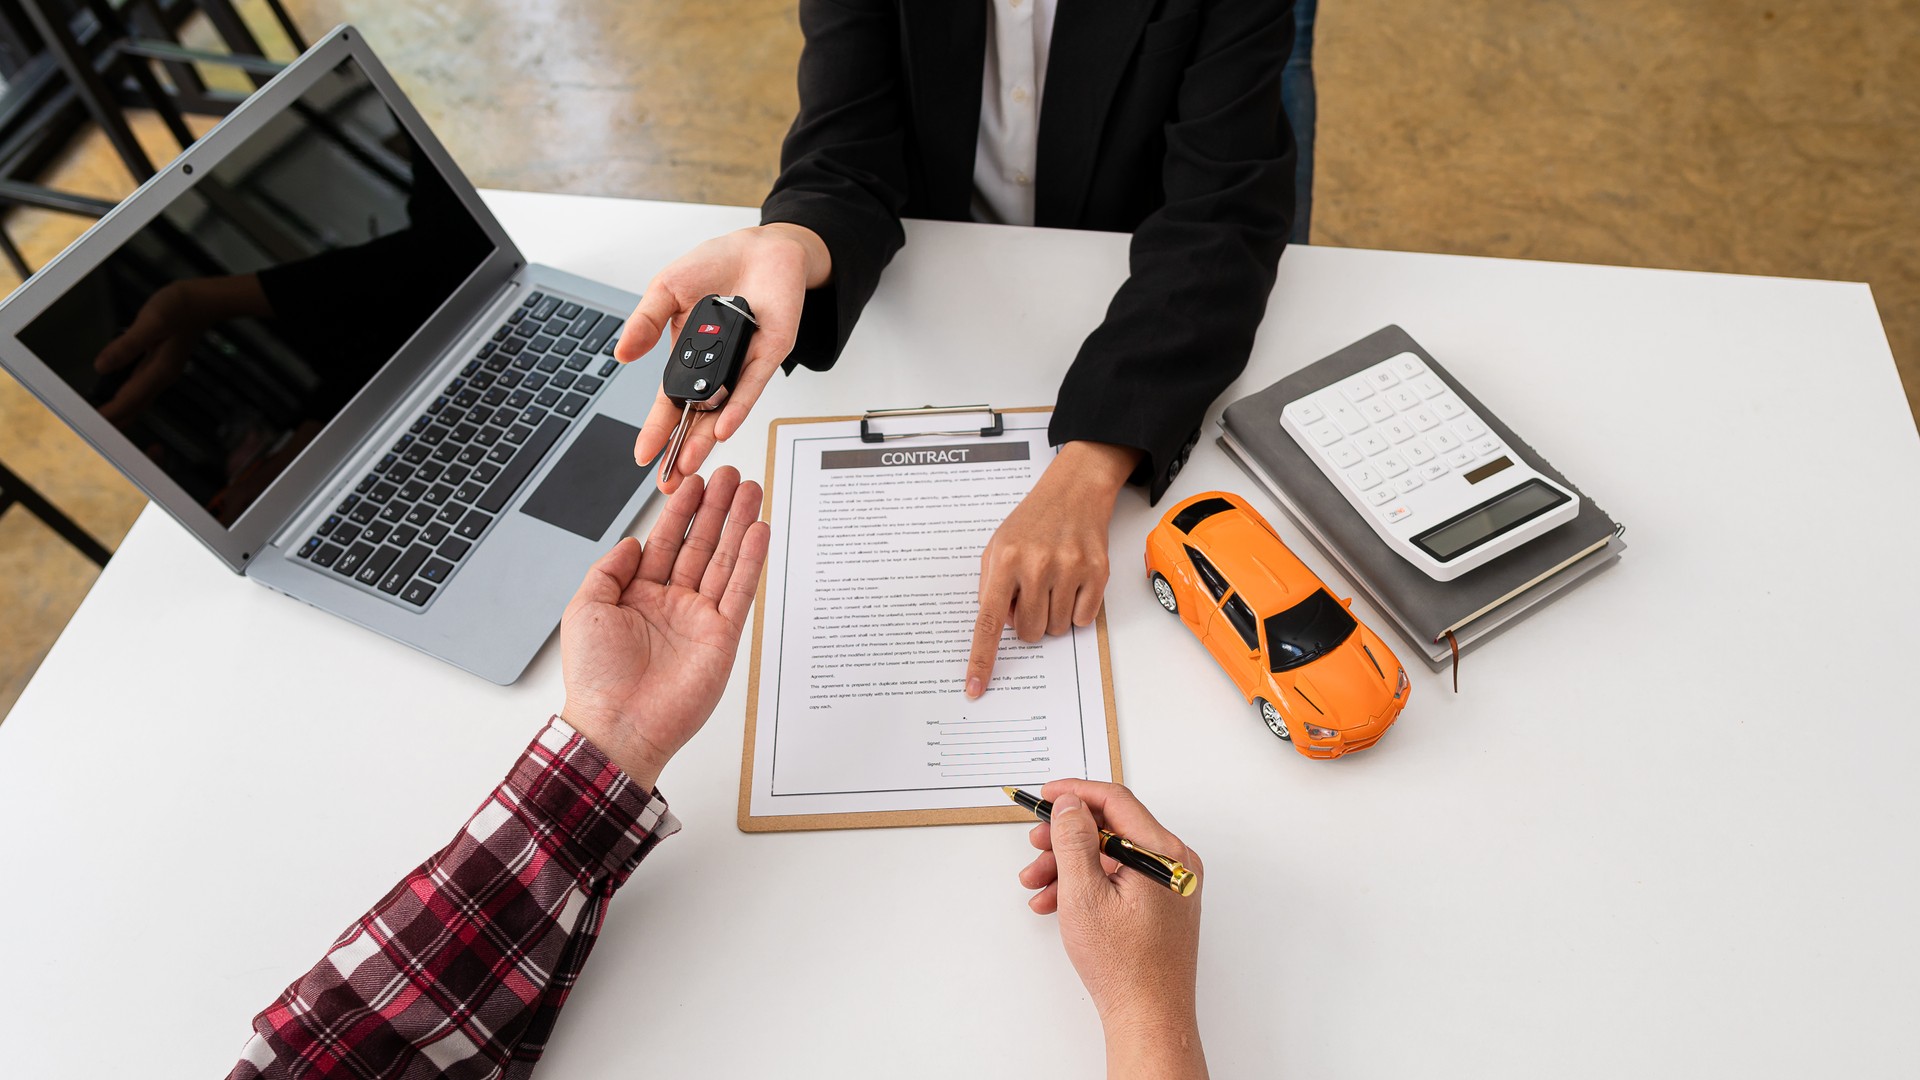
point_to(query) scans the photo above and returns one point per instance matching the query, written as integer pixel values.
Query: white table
(1666, 829)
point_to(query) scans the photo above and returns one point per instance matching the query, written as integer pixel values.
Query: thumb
(656, 310)
(1076, 850)
(609, 576)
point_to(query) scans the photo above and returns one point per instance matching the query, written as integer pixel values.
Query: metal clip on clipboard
(868, 435)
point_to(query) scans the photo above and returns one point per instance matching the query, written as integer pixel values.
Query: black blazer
(1159, 117)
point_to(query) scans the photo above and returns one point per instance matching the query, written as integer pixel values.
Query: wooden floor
(1730, 135)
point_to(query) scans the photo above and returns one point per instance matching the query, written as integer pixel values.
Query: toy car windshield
(1306, 631)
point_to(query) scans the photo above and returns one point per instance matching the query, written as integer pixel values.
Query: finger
(744, 510)
(1060, 609)
(1086, 604)
(746, 574)
(1119, 810)
(1029, 611)
(155, 372)
(663, 543)
(654, 313)
(1046, 901)
(657, 431)
(1076, 851)
(690, 565)
(754, 376)
(609, 576)
(1041, 837)
(124, 349)
(996, 594)
(1039, 873)
(773, 341)
(120, 408)
(1038, 837)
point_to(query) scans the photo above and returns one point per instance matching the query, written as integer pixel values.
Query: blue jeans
(1296, 96)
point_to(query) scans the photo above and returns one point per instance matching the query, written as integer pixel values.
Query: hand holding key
(703, 367)
(775, 265)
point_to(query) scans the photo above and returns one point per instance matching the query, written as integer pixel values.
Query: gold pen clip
(1179, 878)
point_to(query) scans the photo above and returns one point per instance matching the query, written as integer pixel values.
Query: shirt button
(1021, 179)
(1020, 95)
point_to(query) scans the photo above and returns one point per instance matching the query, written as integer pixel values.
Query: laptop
(310, 343)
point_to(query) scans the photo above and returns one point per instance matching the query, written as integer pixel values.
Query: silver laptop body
(359, 393)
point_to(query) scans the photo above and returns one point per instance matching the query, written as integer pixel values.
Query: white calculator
(1423, 469)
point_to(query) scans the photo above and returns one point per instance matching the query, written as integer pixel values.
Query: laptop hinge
(488, 314)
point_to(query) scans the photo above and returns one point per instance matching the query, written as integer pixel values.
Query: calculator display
(1467, 531)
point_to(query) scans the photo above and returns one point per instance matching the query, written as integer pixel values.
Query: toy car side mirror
(1347, 601)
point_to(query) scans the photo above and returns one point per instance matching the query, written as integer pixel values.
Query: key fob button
(710, 350)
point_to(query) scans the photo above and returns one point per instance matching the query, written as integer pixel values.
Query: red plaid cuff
(463, 967)
(602, 820)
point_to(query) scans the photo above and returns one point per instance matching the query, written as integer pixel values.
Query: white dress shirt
(1018, 32)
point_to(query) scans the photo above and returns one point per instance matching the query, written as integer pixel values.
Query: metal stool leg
(286, 26)
(88, 86)
(233, 30)
(15, 490)
(12, 253)
(159, 100)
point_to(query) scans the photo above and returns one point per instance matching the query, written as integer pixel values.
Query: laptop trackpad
(591, 481)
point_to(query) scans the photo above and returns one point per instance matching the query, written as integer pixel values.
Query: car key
(706, 362)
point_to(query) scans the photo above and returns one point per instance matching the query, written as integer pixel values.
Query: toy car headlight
(1404, 682)
(1320, 733)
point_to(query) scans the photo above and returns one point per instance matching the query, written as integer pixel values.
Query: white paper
(872, 589)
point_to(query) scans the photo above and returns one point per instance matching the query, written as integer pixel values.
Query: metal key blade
(673, 444)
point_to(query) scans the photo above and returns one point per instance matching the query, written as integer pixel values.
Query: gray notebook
(1475, 605)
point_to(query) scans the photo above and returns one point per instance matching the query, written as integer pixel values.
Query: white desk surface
(1666, 828)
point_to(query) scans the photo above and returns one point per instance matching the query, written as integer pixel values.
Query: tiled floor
(1734, 135)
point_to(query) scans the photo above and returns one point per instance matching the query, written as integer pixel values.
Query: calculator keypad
(1391, 429)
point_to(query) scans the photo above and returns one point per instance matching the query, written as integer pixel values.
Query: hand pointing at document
(1045, 570)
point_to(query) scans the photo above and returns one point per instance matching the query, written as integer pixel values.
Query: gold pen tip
(1012, 793)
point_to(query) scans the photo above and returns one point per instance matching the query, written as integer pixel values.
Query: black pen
(1159, 867)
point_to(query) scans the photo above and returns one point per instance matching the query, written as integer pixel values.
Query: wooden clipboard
(879, 819)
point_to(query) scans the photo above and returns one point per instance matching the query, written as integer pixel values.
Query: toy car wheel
(1163, 592)
(1270, 715)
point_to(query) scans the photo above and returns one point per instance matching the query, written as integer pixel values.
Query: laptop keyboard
(405, 529)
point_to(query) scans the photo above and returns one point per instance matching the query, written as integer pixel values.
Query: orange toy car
(1297, 653)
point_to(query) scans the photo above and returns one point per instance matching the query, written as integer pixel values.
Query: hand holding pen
(1134, 942)
(1164, 869)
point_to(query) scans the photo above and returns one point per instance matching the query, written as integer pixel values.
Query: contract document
(856, 713)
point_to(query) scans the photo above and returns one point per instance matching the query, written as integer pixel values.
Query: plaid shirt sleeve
(461, 969)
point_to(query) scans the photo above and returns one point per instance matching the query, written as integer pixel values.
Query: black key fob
(706, 361)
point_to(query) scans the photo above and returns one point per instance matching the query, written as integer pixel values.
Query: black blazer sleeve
(1201, 266)
(843, 167)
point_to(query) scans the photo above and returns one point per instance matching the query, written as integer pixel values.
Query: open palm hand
(649, 640)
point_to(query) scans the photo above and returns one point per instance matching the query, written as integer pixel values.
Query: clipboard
(882, 819)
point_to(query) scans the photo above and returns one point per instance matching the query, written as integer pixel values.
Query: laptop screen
(225, 334)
